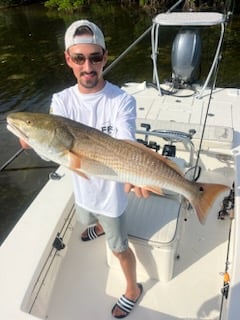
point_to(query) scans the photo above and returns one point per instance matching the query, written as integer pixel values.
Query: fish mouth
(15, 130)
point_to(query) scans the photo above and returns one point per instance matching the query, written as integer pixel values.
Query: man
(102, 105)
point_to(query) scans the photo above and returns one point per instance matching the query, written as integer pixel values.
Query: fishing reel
(227, 210)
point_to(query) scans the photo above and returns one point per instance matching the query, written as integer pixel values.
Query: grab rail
(174, 136)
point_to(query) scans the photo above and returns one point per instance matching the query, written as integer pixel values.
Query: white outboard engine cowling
(186, 55)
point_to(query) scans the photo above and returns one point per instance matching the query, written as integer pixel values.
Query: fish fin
(81, 174)
(129, 187)
(74, 161)
(75, 165)
(208, 194)
(164, 159)
(154, 189)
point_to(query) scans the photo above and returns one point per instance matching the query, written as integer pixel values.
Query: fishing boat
(188, 270)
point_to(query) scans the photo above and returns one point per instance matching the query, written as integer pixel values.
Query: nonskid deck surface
(186, 112)
(87, 288)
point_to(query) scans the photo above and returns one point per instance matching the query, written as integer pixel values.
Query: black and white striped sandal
(91, 234)
(126, 305)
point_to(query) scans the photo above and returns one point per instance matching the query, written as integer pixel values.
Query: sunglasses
(80, 59)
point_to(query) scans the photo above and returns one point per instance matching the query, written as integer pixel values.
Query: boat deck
(78, 282)
(88, 288)
(184, 107)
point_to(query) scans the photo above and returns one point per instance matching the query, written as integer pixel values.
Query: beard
(88, 80)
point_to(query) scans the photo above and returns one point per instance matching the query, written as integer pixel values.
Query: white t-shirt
(111, 111)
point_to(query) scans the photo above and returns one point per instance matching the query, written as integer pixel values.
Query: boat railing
(173, 137)
(186, 19)
(178, 19)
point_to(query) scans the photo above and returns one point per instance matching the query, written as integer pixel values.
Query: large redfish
(89, 152)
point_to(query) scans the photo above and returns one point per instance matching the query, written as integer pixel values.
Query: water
(33, 68)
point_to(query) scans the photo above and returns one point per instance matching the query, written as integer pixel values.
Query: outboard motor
(186, 54)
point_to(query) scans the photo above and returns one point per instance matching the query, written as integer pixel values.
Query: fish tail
(206, 199)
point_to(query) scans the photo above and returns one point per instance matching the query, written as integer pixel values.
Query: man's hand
(139, 192)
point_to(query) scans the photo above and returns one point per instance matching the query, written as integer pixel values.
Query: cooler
(153, 234)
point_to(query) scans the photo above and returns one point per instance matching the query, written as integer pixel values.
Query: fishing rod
(15, 156)
(227, 210)
(127, 50)
(133, 44)
(229, 6)
(214, 77)
(31, 168)
(174, 6)
(11, 159)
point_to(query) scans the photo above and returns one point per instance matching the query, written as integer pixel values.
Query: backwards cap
(72, 39)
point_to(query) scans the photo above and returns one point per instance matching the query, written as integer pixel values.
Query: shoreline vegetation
(154, 6)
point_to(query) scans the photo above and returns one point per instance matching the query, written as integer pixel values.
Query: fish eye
(28, 121)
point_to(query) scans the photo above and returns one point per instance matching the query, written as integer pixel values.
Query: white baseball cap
(72, 39)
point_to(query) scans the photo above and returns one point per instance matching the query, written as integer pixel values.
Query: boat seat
(153, 219)
(153, 228)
